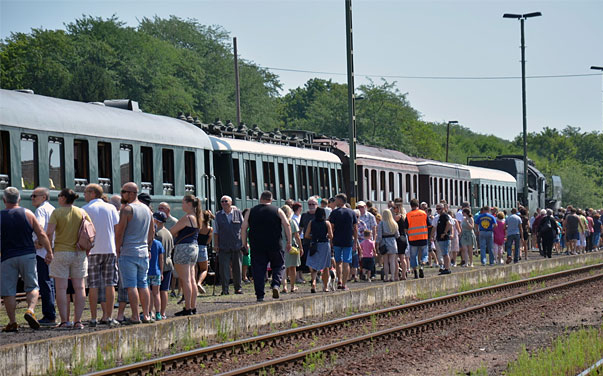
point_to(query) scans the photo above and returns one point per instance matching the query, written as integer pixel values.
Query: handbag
(294, 251)
(382, 249)
(313, 248)
(86, 234)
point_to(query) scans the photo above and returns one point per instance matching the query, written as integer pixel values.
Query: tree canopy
(172, 65)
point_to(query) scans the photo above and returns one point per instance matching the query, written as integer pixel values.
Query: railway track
(20, 297)
(216, 353)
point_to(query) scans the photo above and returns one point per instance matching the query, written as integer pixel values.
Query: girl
(203, 240)
(387, 233)
(499, 237)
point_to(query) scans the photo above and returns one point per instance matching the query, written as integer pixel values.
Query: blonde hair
(388, 219)
(287, 210)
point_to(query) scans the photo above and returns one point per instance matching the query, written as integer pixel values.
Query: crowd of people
(143, 254)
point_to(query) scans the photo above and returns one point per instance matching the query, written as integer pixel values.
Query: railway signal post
(351, 104)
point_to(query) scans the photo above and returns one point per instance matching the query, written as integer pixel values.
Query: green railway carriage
(492, 188)
(59, 143)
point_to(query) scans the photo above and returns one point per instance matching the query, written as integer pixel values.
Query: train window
(4, 159)
(291, 181)
(125, 163)
(105, 166)
(373, 185)
(415, 186)
(251, 180)
(382, 185)
(80, 164)
(456, 193)
(189, 172)
(56, 163)
(167, 158)
(236, 178)
(146, 169)
(441, 190)
(400, 186)
(269, 177)
(446, 191)
(340, 180)
(304, 182)
(311, 181)
(408, 186)
(334, 183)
(29, 161)
(390, 192)
(281, 181)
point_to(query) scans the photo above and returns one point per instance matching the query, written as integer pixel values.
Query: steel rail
(403, 330)
(218, 351)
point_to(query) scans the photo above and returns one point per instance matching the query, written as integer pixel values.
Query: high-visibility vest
(417, 225)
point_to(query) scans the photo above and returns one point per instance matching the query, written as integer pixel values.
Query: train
(61, 143)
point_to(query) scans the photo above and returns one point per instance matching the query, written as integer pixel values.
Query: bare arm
(447, 229)
(124, 217)
(182, 223)
(39, 231)
(211, 231)
(244, 228)
(151, 232)
(308, 232)
(287, 227)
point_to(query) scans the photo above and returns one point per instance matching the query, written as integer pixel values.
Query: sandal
(64, 325)
(78, 325)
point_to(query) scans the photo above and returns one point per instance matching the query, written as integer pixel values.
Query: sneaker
(421, 274)
(260, 300)
(92, 323)
(184, 312)
(11, 328)
(163, 317)
(47, 322)
(416, 273)
(275, 293)
(239, 292)
(112, 323)
(193, 311)
(201, 289)
(173, 294)
(158, 316)
(445, 271)
(30, 317)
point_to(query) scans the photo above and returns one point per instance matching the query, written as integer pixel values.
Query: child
(368, 254)
(154, 277)
(499, 237)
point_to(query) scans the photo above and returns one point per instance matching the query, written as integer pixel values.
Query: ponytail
(198, 211)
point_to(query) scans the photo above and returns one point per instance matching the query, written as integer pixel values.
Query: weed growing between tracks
(569, 355)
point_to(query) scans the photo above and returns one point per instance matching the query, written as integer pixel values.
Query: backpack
(86, 235)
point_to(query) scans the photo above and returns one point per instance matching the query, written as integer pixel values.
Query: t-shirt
(368, 248)
(369, 220)
(499, 232)
(104, 218)
(167, 241)
(344, 220)
(485, 222)
(513, 224)
(441, 233)
(597, 225)
(571, 223)
(306, 218)
(68, 221)
(156, 250)
(43, 213)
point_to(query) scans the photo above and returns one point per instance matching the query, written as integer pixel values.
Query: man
(548, 232)
(331, 204)
(443, 229)
(368, 219)
(102, 260)
(133, 238)
(115, 200)
(265, 223)
(536, 226)
(418, 233)
(514, 235)
(228, 244)
(171, 221)
(39, 199)
(324, 203)
(167, 241)
(486, 223)
(305, 219)
(17, 225)
(345, 236)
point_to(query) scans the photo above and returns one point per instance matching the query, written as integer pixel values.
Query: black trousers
(547, 245)
(259, 265)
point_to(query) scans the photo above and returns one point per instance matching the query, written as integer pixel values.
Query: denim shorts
(444, 246)
(133, 271)
(355, 262)
(25, 266)
(154, 280)
(343, 254)
(202, 256)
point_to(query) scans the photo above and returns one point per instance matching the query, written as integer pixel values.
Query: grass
(570, 354)
(314, 361)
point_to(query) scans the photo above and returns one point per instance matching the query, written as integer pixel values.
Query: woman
(548, 231)
(400, 217)
(525, 227)
(297, 212)
(185, 233)
(203, 240)
(68, 262)
(292, 260)
(319, 230)
(454, 238)
(387, 233)
(467, 237)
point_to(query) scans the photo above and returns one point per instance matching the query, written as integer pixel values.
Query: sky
(400, 38)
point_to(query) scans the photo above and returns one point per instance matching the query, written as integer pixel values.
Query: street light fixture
(522, 18)
(597, 68)
(448, 135)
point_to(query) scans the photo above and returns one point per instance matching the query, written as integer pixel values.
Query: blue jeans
(486, 241)
(46, 289)
(414, 253)
(508, 245)
(444, 247)
(133, 271)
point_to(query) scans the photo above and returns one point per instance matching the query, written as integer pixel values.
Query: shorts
(154, 280)
(582, 241)
(122, 293)
(166, 282)
(133, 271)
(355, 262)
(11, 269)
(444, 246)
(69, 264)
(368, 263)
(186, 254)
(572, 236)
(202, 255)
(102, 270)
(343, 254)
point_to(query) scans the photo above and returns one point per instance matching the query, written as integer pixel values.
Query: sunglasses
(124, 191)
(32, 196)
(312, 204)
(226, 201)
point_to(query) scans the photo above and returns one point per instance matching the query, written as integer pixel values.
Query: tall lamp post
(522, 18)
(351, 104)
(597, 68)
(448, 135)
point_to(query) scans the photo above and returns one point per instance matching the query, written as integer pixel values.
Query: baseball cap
(144, 198)
(361, 203)
(160, 216)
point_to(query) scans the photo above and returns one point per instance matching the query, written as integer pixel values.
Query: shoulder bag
(86, 234)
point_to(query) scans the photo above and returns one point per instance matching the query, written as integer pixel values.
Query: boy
(154, 276)
(368, 254)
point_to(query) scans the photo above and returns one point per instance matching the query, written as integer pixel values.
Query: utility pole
(448, 136)
(597, 68)
(522, 18)
(237, 85)
(351, 104)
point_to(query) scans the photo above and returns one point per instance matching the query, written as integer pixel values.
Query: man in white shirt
(368, 219)
(102, 261)
(39, 199)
